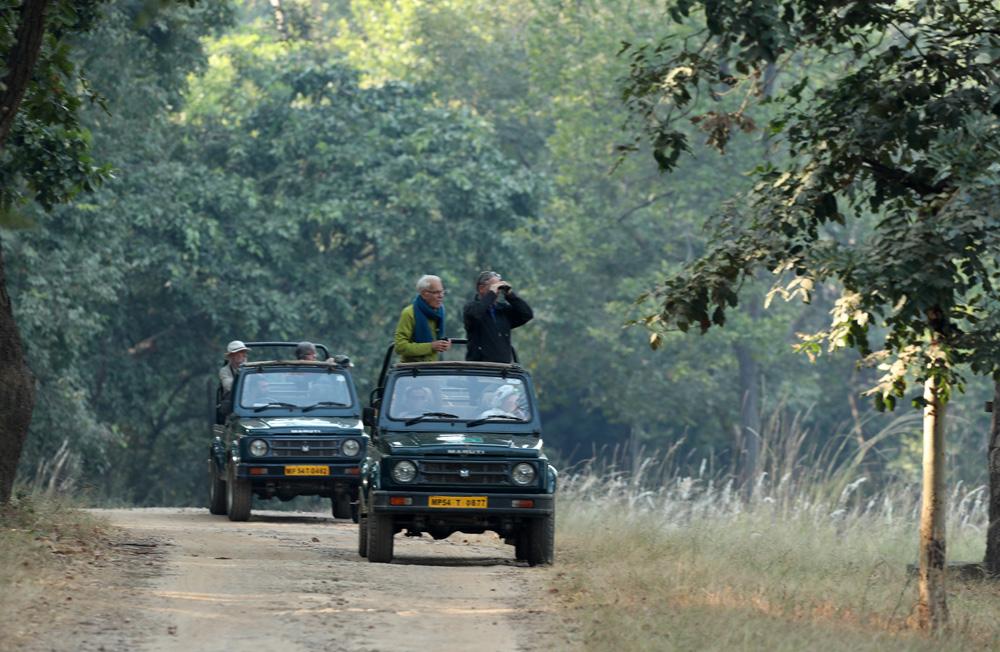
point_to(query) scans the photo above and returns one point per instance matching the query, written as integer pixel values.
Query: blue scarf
(421, 313)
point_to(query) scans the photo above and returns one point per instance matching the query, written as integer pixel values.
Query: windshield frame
(468, 399)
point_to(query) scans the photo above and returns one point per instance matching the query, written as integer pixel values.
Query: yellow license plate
(304, 469)
(470, 502)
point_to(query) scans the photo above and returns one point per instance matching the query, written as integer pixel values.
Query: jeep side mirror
(369, 416)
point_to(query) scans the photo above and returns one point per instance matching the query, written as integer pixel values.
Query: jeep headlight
(404, 471)
(523, 474)
(258, 448)
(350, 447)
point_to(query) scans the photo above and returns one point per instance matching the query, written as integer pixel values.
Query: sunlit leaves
(903, 126)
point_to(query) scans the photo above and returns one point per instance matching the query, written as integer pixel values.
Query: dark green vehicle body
(469, 473)
(292, 428)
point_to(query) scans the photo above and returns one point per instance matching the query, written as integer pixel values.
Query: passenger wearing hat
(488, 321)
(507, 402)
(236, 355)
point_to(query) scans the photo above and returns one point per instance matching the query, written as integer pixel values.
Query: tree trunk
(17, 392)
(749, 376)
(932, 609)
(21, 62)
(992, 560)
(750, 382)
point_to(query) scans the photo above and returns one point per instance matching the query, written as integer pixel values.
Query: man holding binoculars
(488, 321)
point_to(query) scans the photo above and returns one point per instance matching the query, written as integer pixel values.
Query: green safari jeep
(290, 428)
(456, 447)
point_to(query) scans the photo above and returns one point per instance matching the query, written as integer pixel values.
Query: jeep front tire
(380, 534)
(341, 505)
(363, 536)
(216, 491)
(238, 496)
(541, 540)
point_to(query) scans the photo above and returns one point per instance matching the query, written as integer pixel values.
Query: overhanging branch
(21, 62)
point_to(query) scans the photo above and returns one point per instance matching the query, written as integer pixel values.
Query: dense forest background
(286, 170)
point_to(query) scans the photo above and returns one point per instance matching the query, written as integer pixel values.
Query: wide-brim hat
(502, 393)
(235, 347)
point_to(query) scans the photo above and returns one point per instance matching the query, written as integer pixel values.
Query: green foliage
(544, 74)
(284, 201)
(46, 157)
(905, 128)
(293, 184)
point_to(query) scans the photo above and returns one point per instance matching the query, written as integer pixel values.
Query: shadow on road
(456, 561)
(292, 519)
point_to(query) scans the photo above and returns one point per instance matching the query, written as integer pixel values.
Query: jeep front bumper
(301, 471)
(414, 502)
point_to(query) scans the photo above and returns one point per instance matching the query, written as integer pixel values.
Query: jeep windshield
(475, 399)
(300, 390)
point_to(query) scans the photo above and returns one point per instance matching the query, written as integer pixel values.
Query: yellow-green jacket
(406, 348)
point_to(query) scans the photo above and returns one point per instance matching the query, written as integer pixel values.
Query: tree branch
(21, 62)
(904, 178)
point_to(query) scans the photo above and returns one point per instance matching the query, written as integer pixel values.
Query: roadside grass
(808, 562)
(43, 540)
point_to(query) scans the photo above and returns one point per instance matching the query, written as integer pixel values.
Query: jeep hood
(424, 443)
(303, 425)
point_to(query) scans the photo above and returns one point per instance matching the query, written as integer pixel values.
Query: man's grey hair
(424, 282)
(484, 278)
(304, 348)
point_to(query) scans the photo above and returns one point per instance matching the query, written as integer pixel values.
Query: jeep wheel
(541, 540)
(521, 544)
(379, 537)
(238, 496)
(216, 491)
(363, 536)
(341, 505)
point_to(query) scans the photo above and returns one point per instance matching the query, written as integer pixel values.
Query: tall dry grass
(814, 557)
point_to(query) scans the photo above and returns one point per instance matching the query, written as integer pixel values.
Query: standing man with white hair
(420, 333)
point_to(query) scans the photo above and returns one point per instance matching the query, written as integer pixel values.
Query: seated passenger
(305, 351)
(507, 401)
(256, 392)
(416, 401)
(327, 388)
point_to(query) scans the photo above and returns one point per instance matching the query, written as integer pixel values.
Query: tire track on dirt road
(294, 581)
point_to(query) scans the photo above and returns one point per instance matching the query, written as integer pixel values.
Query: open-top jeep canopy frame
(376, 394)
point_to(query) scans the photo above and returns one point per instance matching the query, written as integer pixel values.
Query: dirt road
(186, 581)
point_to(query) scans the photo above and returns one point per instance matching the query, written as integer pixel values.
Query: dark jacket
(489, 334)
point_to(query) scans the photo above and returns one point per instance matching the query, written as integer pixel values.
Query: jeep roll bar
(387, 361)
(292, 345)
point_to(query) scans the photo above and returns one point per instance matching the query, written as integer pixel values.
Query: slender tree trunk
(992, 560)
(749, 376)
(932, 609)
(21, 62)
(17, 392)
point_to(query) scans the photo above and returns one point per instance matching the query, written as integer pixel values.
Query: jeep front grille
(305, 448)
(468, 472)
